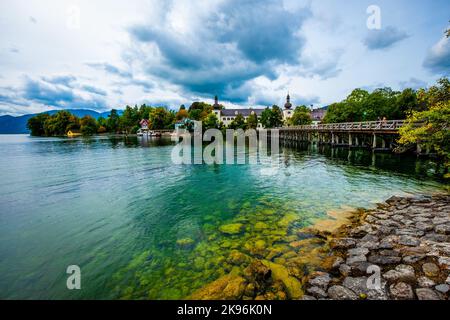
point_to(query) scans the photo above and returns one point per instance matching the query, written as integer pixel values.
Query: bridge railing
(387, 125)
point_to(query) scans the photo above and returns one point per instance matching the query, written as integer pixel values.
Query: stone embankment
(400, 250)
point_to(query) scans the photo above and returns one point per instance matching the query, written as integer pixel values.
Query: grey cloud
(65, 80)
(438, 57)
(242, 40)
(109, 68)
(412, 83)
(59, 92)
(94, 90)
(384, 38)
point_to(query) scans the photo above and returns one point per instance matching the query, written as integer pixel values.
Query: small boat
(154, 134)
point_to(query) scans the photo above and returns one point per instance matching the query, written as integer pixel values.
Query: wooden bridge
(378, 135)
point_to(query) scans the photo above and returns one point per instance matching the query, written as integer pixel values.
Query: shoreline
(398, 251)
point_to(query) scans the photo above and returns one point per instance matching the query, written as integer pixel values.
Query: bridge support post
(356, 141)
(332, 138)
(383, 142)
(350, 140)
(374, 142)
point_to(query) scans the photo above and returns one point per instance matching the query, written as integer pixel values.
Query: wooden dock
(377, 135)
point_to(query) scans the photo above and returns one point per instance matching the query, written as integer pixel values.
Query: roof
(244, 112)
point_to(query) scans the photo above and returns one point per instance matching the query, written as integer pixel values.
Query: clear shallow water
(116, 207)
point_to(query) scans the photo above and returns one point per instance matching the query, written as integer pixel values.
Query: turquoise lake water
(117, 206)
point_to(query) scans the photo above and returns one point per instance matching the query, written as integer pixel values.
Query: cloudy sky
(103, 54)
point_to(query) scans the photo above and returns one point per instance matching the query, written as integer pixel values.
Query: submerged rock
(257, 247)
(280, 272)
(237, 258)
(287, 220)
(229, 287)
(260, 226)
(231, 229)
(258, 272)
(185, 243)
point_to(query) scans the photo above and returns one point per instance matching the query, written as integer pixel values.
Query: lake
(140, 227)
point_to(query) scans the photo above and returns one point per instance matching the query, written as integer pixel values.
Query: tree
(182, 114)
(407, 103)
(129, 119)
(361, 105)
(211, 122)
(440, 92)
(430, 129)
(36, 124)
(272, 118)
(199, 110)
(265, 117)
(59, 123)
(301, 116)
(112, 124)
(238, 123)
(252, 121)
(144, 112)
(88, 125)
(158, 118)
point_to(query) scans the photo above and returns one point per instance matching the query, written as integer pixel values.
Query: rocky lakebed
(399, 250)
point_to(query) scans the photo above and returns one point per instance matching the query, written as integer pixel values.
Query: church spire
(216, 105)
(288, 103)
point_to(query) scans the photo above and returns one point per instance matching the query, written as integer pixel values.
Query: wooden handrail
(387, 125)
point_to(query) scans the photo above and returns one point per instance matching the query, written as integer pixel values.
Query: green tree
(36, 124)
(211, 122)
(407, 103)
(88, 125)
(277, 117)
(59, 123)
(199, 110)
(252, 121)
(272, 118)
(430, 129)
(301, 116)
(440, 92)
(265, 117)
(129, 119)
(169, 119)
(238, 123)
(112, 123)
(158, 118)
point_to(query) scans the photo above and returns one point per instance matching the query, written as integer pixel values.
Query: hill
(17, 125)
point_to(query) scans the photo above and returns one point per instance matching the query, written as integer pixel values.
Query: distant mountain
(16, 125)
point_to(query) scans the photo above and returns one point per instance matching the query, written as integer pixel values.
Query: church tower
(216, 105)
(217, 108)
(287, 112)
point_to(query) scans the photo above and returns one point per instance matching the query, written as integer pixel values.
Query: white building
(226, 116)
